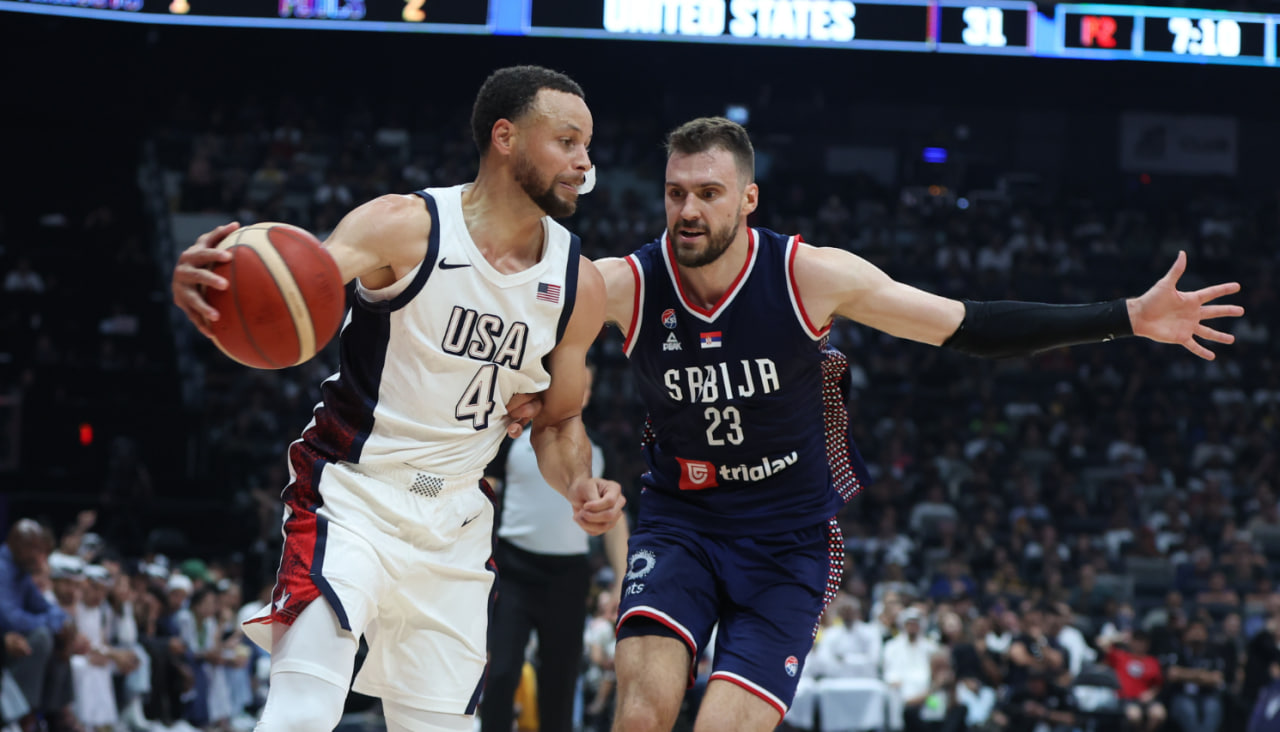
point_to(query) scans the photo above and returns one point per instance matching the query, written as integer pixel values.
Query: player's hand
(192, 272)
(521, 409)
(597, 504)
(1168, 315)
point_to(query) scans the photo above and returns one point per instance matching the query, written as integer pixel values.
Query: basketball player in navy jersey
(465, 296)
(748, 441)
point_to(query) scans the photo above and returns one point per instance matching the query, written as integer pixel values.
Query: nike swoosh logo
(473, 518)
(446, 265)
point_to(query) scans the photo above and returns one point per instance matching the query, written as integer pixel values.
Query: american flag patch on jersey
(548, 293)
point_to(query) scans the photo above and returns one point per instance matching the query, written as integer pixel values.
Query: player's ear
(750, 198)
(503, 136)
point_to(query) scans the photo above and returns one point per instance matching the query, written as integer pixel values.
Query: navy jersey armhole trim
(570, 285)
(424, 270)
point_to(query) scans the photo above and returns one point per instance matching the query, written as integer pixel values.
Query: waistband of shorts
(416, 480)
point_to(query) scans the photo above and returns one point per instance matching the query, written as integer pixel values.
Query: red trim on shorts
(666, 623)
(782, 711)
(296, 588)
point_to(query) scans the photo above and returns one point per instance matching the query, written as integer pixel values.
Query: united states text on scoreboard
(1010, 27)
(996, 26)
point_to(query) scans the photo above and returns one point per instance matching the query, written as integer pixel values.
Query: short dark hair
(508, 94)
(708, 133)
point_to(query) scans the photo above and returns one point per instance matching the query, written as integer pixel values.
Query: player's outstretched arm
(834, 282)
(559, 438)
(620, 289)
(374, 239)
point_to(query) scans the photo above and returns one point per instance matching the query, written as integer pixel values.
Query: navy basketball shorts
(766, 592)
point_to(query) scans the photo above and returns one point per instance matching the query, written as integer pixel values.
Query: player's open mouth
(689, 234)
(570, 186)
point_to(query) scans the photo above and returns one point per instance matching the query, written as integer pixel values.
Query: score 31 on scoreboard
(997, 26)
(1013, 27)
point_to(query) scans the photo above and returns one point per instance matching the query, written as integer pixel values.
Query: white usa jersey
(429, 362)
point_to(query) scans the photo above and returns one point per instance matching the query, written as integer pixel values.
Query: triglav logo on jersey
(669, 318)
(672, 343)
(695, 475)
(792, 665)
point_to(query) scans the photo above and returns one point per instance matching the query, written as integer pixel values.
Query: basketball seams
(248, 332)
(279, 271)
(282, 282)
(322, 259)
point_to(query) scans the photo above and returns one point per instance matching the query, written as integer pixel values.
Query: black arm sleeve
(1004, 328)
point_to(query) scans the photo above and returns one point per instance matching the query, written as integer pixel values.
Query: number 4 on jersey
(476, 403)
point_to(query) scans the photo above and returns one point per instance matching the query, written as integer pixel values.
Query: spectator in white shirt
(907, 658)
(1079, 652)
(849, 647)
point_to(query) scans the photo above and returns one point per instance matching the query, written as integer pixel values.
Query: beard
(545, 196)
(717, 243)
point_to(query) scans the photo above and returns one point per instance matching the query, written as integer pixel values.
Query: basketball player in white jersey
(465, 296)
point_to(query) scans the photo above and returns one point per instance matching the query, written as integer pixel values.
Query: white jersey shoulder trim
(637, 304)
(793, 291)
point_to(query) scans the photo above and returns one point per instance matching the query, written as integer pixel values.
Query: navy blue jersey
(747, 430)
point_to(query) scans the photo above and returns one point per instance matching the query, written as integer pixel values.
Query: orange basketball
(285, 300)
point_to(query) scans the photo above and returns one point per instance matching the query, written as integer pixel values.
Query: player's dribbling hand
(521, 409)
(192, 272)
(597, 504)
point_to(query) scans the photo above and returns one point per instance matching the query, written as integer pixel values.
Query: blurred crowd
(1104, 517)
(97, 641)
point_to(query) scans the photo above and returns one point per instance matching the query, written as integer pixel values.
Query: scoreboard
(1165, 34)
(1001, 27)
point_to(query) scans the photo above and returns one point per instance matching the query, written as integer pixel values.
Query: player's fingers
(198, 256)
(1216, 291)
(593, 527)
(197, 321)
(597, 517)
(192, 303)
(524, 407)
(211, 238)
(605, 503)
(1179, 266)
(1209, 312)
(1191, 345)
(187, 274)
(514, 430)
(1209, 334)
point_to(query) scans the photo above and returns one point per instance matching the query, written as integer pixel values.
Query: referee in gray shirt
(544, 576)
